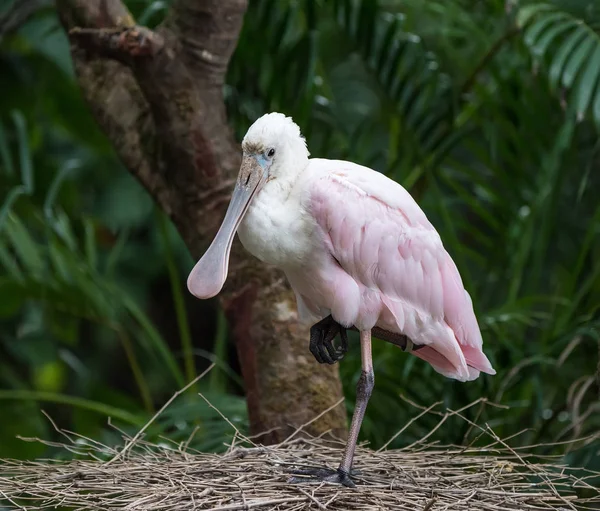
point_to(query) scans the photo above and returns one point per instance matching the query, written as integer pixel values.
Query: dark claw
(330, 353)
(315, 348)
(344, 347)
(319, 475)
(321, 345)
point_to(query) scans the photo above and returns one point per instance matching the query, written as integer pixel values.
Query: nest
(423, 476)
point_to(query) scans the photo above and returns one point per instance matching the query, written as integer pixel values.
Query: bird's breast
(277, 232)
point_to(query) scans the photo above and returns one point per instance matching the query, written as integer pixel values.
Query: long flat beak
(208, 275)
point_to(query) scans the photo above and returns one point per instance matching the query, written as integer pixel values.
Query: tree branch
(122, 43)
(208, 31)
(185, 161)
(113, 94)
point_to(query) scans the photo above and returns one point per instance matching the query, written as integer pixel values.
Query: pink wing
(407, 282)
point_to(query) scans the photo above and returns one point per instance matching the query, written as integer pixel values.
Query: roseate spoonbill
(358, 252)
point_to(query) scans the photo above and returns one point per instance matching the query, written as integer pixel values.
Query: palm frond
(408, 75)
(569, 48)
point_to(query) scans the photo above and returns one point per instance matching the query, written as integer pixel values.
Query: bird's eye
(271, 153)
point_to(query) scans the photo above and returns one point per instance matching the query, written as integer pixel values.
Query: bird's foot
(321, 345)
(322, 475)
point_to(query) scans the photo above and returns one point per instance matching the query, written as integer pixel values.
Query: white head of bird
(274, 141)
(274, 155)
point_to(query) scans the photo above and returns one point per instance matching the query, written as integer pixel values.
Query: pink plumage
(353, 243)
(388, 268)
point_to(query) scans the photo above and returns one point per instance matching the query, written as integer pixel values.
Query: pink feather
(387, 267)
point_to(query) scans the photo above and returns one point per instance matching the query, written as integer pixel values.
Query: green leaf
(24, 245)
(367, 14)
(155, 338)
(55, 187)
(562, 55)
(91, 250)
(597, 106)
(13, 296)
(577, 61)
(588, 83)
(540, 46)
(561, 58)
(61, 225)
(534, 30)
(527, 13)
(178, 300)
(78, 402)
(5, 156)
(154, 8)
(389, 38)
(14, 194)
(24, 151)
(9, 265)
(61, 261)
(115, 253)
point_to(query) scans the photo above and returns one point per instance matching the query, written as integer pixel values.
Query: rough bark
(158, 97)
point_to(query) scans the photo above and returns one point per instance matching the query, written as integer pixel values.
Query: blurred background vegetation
(487, 111)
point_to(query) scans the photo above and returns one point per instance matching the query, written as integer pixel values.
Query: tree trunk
(158, 97)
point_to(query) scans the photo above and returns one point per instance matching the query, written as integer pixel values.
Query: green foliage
(572, 51)
(488, 115)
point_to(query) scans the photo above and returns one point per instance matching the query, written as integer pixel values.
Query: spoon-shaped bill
(208, 275)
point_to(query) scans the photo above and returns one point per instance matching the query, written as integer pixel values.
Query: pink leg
(363, 393)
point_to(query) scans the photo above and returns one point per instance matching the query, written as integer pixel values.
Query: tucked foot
(326, 475)
(321, 345)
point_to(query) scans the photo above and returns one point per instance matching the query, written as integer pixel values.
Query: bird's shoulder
(335, 181)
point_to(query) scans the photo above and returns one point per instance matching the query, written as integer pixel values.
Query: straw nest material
(423, 476)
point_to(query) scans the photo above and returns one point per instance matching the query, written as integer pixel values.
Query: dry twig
(147, 477)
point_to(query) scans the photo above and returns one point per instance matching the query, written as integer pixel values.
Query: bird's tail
(476, 362)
